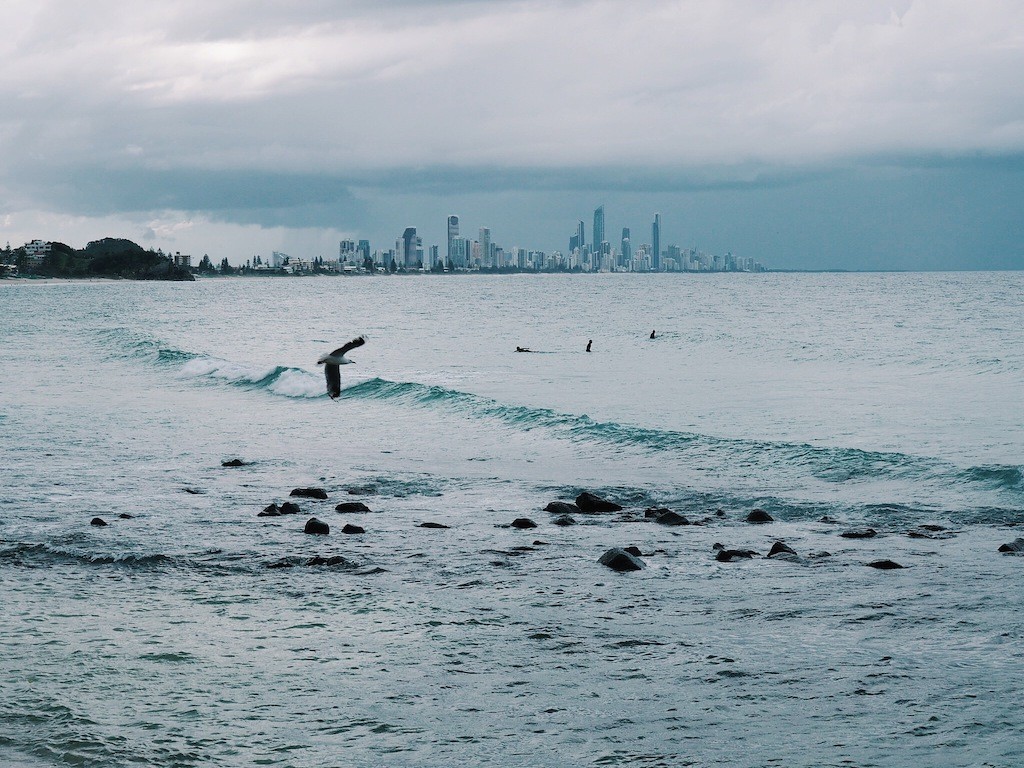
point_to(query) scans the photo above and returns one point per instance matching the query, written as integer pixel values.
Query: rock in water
(1015, 546)
(289, 508)
(620, 560)
(351, 506)
(778, 548)
(885, 565)
(760, 516)
(318, 527)
(349, 528)
(728, 555)
(433, 525)
(310, 493)
(671, 518)
(562, 508)
(362, 490)
(99, 522)
(564, 520)
(523, 523)
(588, 502)
(233, 463)
(863, 533)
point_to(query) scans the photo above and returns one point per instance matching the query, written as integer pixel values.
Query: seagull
(333, 360)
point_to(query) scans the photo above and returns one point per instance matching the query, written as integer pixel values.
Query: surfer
(523, 349)
(652, 334)
(588, 344)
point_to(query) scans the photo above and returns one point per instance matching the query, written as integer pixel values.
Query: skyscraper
(598, 227)
(627, 248)
(453, 236)
(485, 247)
(656, 243)
(409, 244)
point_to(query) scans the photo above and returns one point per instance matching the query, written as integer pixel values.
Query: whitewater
(190, 631)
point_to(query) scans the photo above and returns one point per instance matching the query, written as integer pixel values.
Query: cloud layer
(280, 111)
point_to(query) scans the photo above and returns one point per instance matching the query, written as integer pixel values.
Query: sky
(825, 134)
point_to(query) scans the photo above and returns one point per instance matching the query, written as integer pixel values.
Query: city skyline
(885, 134)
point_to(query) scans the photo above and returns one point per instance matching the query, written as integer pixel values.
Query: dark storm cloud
(337, 114)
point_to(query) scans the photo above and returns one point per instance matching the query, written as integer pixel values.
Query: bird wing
(333, 374)
(350, 346)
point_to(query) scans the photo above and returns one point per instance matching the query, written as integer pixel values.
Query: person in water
(523, 349)
(652, 334)
(588, 344)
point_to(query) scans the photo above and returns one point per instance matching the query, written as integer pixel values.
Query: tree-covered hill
(109, 257)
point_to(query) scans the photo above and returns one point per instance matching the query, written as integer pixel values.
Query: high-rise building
(364, 249)
(598, 227)
(627, 248)
(486, 252)
(656, 243)
(453, 236)
(410, 243)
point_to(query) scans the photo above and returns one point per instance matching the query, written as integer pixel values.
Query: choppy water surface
(164, 639)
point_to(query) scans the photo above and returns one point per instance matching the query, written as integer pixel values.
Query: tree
(205, 266)
(225, 268)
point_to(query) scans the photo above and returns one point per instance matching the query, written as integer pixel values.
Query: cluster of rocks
(621, 559)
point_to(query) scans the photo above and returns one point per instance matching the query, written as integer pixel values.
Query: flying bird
(333, 360)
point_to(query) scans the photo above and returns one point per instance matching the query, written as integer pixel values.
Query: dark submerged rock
(317, 527)
(562, 508)
(310, 493)
(234, 463)
(99, 522)
(652, 513)
(728, 555)
(349, 528)
(564, 520)
(759, 516)
(1014, 547)
(523, 523)
(671, 518)
(635, 551)
(588, 502)
(827, 519)
(270, 511)
(362, 490)
(863, 533)
(432, 525)
(885, 565)
(280, 564)
(126, 516)
(289, 508)
(620, 560)
(779, 548)
(352, 506)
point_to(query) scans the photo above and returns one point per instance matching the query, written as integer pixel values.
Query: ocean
(190, 631)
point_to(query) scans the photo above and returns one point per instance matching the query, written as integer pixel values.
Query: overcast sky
(825, 134)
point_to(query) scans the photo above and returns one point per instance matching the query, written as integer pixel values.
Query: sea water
(834, 402)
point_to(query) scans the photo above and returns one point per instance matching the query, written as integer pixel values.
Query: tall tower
(598, 227)
(656, 243)
(409, 247)
(581, 236)
(627, 248)
(485, 247)
(453, 236)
